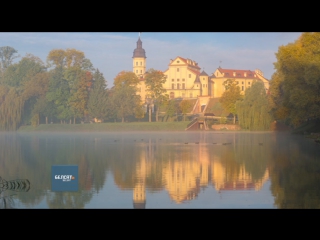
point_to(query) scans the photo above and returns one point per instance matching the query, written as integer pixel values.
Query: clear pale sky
(111, 52)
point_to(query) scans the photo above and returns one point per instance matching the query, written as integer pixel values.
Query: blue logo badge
(64, 178)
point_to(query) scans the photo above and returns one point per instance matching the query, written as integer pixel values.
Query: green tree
(19, 73)
(98, 97)
(7, 55)
(230, 97)
(124, 101)
(59, 94)
(11, 106)
(185, 106)
(154, 81)
(172, 108)
(139, 110)
(254, 111)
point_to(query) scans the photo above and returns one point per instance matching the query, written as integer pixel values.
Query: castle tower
(139, 59)
(139, 190)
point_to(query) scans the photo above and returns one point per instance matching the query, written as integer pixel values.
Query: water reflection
(188, 168)
(184, 167)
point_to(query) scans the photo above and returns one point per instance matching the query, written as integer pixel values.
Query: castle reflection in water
(189, 171)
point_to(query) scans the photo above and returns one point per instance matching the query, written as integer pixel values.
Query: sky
(111, 52)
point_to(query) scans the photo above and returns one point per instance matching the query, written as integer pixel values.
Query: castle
(186, 80)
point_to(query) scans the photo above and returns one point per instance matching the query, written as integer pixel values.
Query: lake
(264, 170)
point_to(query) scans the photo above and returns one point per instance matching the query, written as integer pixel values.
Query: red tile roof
(239, 73)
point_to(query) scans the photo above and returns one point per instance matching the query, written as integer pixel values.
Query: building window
(172, 80)
(242, 88)
(177, 69)
(183, 86)
(248, 83)
(178, 61)
(197, 85)
(178, 86)
(172, 95)
(237, 82)
(203, 78)
(140, 71)
(178, 80)
(182, 79)
(189, 75)
(136, 71)
(136, 63)
(242, 82)
(140, 63)
(172, 85)
(204, 85)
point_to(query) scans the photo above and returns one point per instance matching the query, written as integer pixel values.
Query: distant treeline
(68, 89)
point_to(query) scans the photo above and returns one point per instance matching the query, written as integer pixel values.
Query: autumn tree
(154, 81)
(68, 58)
(295, 87)
(126, 78)
(230, 97)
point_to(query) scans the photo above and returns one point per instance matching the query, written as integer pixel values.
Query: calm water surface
(162, 170)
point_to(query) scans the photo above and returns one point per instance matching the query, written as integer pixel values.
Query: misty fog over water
(161, 170)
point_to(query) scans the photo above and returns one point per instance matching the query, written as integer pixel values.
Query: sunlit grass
(100, 127)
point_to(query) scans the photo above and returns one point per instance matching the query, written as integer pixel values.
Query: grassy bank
(107, 127)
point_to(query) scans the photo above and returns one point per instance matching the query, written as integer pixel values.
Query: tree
(79, 83)
(56, 57)
(124, 101)
(19, 73)
(230, 97)
(295, 87)
(185, 106)
(10, 109)
(68, 58)
(172, 108)
(7, 55)
(253, 111)
(59, 93)
(139, 110)
(98, 97)
(126, 78)
(154, 81)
